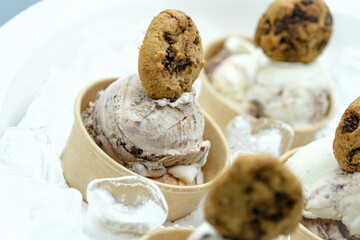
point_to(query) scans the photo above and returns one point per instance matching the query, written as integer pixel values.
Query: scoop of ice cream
(295, 93)
(329, 192)
(150, 137)
(233, 69)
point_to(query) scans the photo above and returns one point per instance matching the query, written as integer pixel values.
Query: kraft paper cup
(301, 233)
(169, 233)
(83, 161)
(222, 112)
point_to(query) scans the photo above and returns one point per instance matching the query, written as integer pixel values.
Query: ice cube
(246, 134)
(130, 206)
(29, 152)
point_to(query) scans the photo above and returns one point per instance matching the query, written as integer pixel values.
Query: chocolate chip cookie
(257, 198)
(294, 30)
(346, 143)
(171, 56)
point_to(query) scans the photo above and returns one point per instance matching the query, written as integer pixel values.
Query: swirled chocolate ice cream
(154, 138)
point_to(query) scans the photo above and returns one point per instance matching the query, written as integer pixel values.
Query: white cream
(295, 93)
(329, 192)
(207, 230)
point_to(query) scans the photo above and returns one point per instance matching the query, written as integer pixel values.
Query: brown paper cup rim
(168, 233)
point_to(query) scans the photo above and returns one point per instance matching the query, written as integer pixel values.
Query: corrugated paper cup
(301, 233)
(83, 161)
(222, 112)
(169, 233)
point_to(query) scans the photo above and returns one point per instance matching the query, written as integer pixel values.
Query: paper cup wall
(173, 233)
(83, 161)
(301, 233)
(222, 112)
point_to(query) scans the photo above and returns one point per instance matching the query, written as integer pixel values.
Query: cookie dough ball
(171, 56)
(346, 143)
(257, 198)
(294, 30)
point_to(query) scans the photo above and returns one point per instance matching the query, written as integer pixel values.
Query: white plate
(47, 34)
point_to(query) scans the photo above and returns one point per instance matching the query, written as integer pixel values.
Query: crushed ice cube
(36, 195)
(246, 134)
(36, 205)
(129, 205)
(29, 152)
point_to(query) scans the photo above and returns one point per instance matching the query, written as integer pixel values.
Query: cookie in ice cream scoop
(346, 145)
(294, 30)
(171, 56)
(257, 198)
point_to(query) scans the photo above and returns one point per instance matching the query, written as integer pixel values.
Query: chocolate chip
(307, 2)
(262, 175)
(170, 38)
(285, 40)
(339, 187)
(170, 53)
(182, 64)
(299, 15)
(135, 151)
(279, 26)
(351, 155)
(197, 40)
(343, 230)
(328, 19)
(256, 109)
(267, 27)
(248, 189)
(168, 60)
(283, 202)
(119, 142)
(171, 64)
(351, 123)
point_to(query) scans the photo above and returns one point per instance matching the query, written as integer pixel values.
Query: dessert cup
(83, 160)
(301, 233)
(222, 112)
(173, 233)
